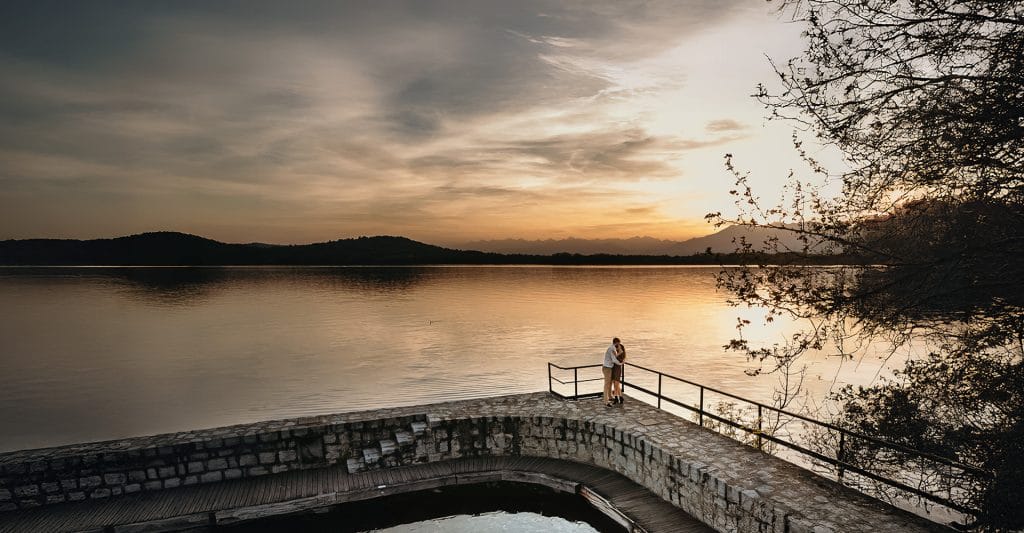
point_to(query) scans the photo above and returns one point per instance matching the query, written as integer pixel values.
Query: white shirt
(609, 357)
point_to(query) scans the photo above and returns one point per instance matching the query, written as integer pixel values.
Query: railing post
(659, 390)
(575, 383)
(842, 454)
(622, 378)
(926, 492)
(760, 446)
(700, 412)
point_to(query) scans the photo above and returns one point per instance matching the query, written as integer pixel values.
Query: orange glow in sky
(443, 122)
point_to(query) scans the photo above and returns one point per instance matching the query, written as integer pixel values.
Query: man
(610, 360)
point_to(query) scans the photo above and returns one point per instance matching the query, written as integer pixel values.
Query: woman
(620, 356)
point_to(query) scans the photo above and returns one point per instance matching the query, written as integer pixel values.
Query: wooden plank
(393, 477)
(173, 523)
(89, 513)
(405, 474)
(122, 512)
(134, 508)
(312, 481)
(238, 495)
(320, 481)
(169, 504)
(256, 492)
(342, 479)
(264, 493)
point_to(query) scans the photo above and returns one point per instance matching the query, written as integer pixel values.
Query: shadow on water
(424, 506)
(192, 285)
(371, 279)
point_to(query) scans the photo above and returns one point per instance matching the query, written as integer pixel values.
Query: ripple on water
(93, 354)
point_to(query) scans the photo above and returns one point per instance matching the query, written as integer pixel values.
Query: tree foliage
(924, 99)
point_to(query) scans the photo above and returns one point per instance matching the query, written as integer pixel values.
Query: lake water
(485, 506)
(100, 353)
(495, 521)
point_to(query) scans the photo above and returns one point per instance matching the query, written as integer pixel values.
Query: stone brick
(258, 470)
(89, 482)
(211, 477)
(232, 473)
(5, 495)
(50, 487)
(172, 483)
(165, 472)
(247, 460)
(114, 479)
(286, 456)
(132, 488)
(216, 464)
(194, 467)
(102, 492)
(333, 453)
(155, 484)
(267, 458)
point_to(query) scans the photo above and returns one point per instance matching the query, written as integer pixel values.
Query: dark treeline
(173, 249)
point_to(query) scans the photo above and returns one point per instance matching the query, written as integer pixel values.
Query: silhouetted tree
(924, 99)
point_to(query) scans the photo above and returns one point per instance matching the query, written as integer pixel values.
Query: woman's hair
(622, 350)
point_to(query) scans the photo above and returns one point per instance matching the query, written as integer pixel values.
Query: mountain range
(172, 248)
(721, 242)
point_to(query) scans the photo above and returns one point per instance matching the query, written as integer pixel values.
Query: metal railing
(844, 436)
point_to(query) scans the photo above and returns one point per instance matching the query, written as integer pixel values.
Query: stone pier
(723, 484)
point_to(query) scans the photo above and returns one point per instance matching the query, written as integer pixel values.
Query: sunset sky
(292, 122)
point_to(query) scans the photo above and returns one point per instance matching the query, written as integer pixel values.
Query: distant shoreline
(171, 249)
(443, 265)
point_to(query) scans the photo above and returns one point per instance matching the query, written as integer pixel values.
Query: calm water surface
(495, 521)
(101, 353)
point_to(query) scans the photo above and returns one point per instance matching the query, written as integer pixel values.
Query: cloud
(360, 114)
(725, 124)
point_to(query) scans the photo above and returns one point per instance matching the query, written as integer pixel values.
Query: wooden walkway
(231, 502)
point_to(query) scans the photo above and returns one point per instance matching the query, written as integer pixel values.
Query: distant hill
(180, 249)
(721, 242)
(171, 248)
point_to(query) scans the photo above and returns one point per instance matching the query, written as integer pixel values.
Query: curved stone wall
(697, 471)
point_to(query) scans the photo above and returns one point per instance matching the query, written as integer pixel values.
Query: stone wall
(74, 473)
(689, 474)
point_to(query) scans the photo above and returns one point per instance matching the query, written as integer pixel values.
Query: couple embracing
(614, 356)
